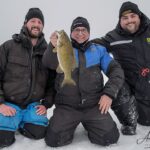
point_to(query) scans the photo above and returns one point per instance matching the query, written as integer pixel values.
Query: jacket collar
(23, 38)
(82, 46)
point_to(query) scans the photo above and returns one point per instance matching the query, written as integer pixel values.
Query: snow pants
(144, 112)
(101, 128)
(26, 120)
(125, 107)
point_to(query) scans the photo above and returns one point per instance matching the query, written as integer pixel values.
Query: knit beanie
(129, 7)
(34, 13)
(80, 22)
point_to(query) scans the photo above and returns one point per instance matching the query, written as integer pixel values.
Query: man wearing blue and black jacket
(89, 101)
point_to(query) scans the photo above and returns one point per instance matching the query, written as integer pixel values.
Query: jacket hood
(23, 37)
(145, 21)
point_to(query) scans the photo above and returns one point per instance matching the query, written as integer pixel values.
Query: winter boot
(128, 130)
(7, 138)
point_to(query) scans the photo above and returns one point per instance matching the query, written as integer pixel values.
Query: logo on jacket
(148, 40)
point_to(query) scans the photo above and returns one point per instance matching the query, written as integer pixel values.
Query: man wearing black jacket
(89, 100)
(129, 43)
(25, 92)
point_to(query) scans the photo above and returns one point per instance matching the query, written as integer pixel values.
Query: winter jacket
(23, 78)
(132, 51)
(88, 77)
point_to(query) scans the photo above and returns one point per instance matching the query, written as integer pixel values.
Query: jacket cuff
(110, 95)
(46, 103)
(1, 99)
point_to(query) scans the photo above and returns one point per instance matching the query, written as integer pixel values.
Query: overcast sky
(102, 14)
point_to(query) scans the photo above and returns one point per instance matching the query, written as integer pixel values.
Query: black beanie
(129, 7)
(34, 13)
(80, 22)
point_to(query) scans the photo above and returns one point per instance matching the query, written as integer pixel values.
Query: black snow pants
(144, 112)
(101, 128)
(125, 107)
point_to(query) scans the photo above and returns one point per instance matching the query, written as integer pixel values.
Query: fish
(66, 57)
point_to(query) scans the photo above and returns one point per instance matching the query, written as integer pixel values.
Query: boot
(7, 138)
(128, 130)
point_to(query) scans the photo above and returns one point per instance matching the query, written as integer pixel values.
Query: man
(23, 82)
(89, 100)
(129, 43)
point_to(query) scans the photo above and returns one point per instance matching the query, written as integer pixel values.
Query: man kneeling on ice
(89, 101)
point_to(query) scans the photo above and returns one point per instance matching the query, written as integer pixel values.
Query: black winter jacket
(132, 51)
(88, 77)
(23, 78)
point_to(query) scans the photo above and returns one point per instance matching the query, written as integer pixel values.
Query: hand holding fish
(53, 39)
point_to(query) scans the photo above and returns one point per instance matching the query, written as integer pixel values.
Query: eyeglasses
(77, 30)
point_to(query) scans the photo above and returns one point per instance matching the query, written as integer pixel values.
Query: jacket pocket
(17, 67)
(17, 78)
(92, 80)
(18, 60)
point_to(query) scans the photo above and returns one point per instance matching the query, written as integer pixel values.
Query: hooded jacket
(132, 51)
(91, 60)
(23, 78)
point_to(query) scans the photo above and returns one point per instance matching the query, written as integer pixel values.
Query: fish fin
(68, 82)
(55, 50)
(59, 70)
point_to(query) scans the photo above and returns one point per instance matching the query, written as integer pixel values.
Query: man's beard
(32, 35)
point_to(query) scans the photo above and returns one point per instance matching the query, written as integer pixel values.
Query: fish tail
(68, 82)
